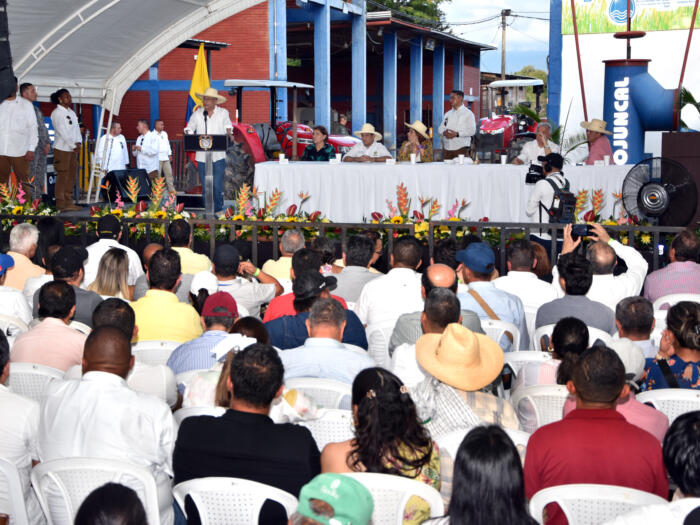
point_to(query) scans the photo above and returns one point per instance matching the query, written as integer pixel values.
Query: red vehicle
(341, 143)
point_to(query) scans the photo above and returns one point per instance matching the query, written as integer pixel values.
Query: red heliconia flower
(35, 204)
(589, 216)
(484, 219)
(418, 215)
(261, 213)
(94, 210)
(635, 219)
(377, 216)
(141, 206)
(229, 212)
(292, 210)
(314, 216)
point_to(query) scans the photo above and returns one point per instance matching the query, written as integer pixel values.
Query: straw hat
(460, 358)
(596, 125)
(213, 93)
(368, 128)
(419, 128)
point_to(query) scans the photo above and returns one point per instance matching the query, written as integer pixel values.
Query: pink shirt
(598, 150)
(51, 343)
(677, 277)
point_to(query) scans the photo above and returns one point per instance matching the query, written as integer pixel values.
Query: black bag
(563, 205)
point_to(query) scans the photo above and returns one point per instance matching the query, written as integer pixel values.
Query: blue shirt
(506, 306)
(197, 353)
(686, 374)
(325, 358)
(289, 331)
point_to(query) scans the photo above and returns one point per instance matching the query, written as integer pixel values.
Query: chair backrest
(378, 335)
(184, 378)
(537, 336)
(61, 485)
(327, 393)
(12, 326)
(672, 401)
(451, 441)
(80, 327)
(597, 333)
(230, 501)
(516, 360)
(12, 493)
(30, 380)
(547, 401)
(585, 504)
(530, 317)
(154, 352)
(390, 494)
(674, 298)
(332, 426)
(186, 412)
(497, 329)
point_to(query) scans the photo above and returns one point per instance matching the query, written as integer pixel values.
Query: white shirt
(532, 291)
(217, 123)
(66, 129)
(32, 284)
(405, 365)
(117, 155)
(100, 416)
(18, 435)
(385, 298)
(18, 130)
(673, 513)
(376, 149)
(463, 122)
(147, 158)
(13, 302)
(543, 194)
(248, 294)
(531, 150)
(95, 252)
(165, 150)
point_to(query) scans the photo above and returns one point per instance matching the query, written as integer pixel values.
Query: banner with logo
(610, 16)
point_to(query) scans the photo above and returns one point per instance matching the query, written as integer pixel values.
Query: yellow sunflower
(453, 219)
(160, 214)
(117, 211)
(238, 217)
(291, 219)
(645, 238)
(17, 210)
(397, 220)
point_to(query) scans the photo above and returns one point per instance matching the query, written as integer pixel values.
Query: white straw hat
(368, 128)
(596, 125)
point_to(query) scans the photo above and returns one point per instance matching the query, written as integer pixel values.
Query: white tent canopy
(97, 48)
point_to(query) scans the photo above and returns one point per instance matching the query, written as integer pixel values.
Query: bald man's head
(107, 349)
(149, 250)
(602, 258)
(438, 276)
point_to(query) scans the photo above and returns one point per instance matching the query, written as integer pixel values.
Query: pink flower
(20, 195)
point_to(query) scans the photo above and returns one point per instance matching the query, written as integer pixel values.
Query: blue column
(322, 64)
(390, 51)
(416, 86)
(96, 110)
(153, 95)
(555, 46)
(438, 92)
(277, 28)
(359, 69)
(458, 70)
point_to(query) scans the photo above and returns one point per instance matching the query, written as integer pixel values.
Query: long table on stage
(350, 192)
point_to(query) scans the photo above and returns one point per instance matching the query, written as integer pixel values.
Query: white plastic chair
(597, 333)
(154, 352)
(390, 494)
(186, 412)
(351, 305)
(497, 329)
(378, 335)
(12, 326)
(30, 380)
(516, 360)
(230, 501)
(13, 493)
(80, 327)
(184, 378)
(590, 504)
(674, 298)
(286, 285)
(61, 485)
(451, 441)
(537, 336)
(333, 426)
(547, 401)
(672, 401)
(530, 317)
(327, 393)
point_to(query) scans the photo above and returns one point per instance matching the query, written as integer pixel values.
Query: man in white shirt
(146, 149)
(540, 147)
(165, 156)
(457, 128)
(370, 149)
(99, 416)
(213, 120)
(66, 144)
(542, 197)
(12, 301)
(19, 137)
(634, 318)
(112, 150)
(37, 167)
(398, 292)
(109, 232)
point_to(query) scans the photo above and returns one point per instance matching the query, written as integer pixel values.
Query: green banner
(610, 16)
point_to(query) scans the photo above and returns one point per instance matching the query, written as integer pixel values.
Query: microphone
(206, 115)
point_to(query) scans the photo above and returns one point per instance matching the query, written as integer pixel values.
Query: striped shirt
(677, 277)
(196, 354)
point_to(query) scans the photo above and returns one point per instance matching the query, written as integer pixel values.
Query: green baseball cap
(351, 501)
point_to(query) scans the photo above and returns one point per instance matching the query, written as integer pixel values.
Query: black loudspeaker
(7, 77)
(117, 181)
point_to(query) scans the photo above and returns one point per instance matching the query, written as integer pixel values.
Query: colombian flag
(200, 81)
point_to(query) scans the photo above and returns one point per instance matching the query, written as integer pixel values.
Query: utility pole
(504, 13)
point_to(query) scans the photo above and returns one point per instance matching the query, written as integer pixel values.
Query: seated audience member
(112, 278)
(607, 288)
(323, 354)
(159, 314)
(12, 301)
(67, 266)
(180, 236)
(384, 299)
(251, 294)
(34, 283)
(333, 498)
(575, 276)
(356, 273)
(292, 241)
(111, 504)
(487, 481)
(376, 239)
(290, 331)
(541, 146)
(52, 342)
(594, 443)
(441, 309)
(370, 149)
(202, 286)
(409, 327)
(141, 287)
(52, 232)
(678, 362)
(458, 364)
(477, 263)
(681, 274)
(418, 143)
(96, 416)
(326, 249)
(244, 442)
(445, 252)
(20, 417)
(109, 232)
(389, 438)
(634, 318)
(543, 266)
(24, 238)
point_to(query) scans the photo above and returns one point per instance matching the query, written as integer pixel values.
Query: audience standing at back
(24, 239)
(682, 274)
(357, 258)
(109, 233)
(180, 236)
(292, 241)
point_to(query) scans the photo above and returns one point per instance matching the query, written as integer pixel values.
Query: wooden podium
(208, 144)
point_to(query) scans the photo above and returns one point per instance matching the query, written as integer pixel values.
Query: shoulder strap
(489, 311)
(668, 375)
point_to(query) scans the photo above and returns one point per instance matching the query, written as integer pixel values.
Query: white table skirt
(350, 192)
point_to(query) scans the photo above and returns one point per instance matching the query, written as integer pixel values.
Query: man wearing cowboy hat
(457, 127)
(418, 143)
(598, 144)
(370, 149)
(212, 120)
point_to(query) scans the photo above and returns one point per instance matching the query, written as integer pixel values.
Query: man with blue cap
(12, 301)
(477, 263)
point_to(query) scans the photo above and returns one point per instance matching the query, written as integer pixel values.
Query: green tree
(532, 71)
(424, 12)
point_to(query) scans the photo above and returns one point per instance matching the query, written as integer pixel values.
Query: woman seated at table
(418, 142)
(320, 149)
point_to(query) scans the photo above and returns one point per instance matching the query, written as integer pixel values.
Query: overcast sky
(527, 40)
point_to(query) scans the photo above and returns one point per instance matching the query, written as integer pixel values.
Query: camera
(581, 230)
(534, 174)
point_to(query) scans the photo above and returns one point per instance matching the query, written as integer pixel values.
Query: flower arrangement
(14, 201)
